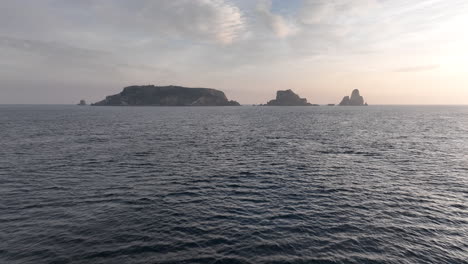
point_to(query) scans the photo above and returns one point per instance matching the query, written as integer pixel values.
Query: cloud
(375, 26)
(200, 20)
(336, 27)
(334, 11)
(49, 49)
(276, 23)
(41, 58)
(217, 21)
(419, 68)
(55, 61)
(229, 43)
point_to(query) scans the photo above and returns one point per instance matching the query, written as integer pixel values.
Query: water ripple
(233, 185)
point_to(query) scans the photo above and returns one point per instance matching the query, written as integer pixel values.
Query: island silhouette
(355, 100)
(288, 98)
(151, 95)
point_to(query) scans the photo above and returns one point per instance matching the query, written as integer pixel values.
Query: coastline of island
(151, 95)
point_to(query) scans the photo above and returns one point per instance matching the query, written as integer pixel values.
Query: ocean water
(379, 184)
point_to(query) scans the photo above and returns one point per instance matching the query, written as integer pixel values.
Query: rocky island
(150, 95)
(288, 98)
(355, 100)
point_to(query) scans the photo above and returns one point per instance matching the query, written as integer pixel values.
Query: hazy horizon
(394, 52)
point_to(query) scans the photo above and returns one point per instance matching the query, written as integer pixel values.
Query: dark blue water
(233, 185)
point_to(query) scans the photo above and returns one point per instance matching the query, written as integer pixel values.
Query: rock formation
(150, 95)
(355, 100)
(288, 98)
(82, 102)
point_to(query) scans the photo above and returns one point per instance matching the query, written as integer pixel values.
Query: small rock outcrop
(150, 95)
(82, 102)
(355, 100)
(288, 98)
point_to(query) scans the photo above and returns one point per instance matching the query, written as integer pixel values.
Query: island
(355, 100)
(150, 95)
(288, 98)
(82, 102)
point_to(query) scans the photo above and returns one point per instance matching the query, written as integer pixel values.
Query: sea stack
(82, 102)
(288, 98)
(150, 95)
(355, 100)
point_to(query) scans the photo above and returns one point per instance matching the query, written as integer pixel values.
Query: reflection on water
(233, 185)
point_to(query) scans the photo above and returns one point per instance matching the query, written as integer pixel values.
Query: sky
(393, 51)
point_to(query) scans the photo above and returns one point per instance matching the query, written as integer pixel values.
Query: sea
(251, 184)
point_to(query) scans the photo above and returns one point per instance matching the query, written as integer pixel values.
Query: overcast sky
(394, 51)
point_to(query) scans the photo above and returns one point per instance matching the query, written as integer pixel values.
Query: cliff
(355, 100)
(150, 95)
(288, 98)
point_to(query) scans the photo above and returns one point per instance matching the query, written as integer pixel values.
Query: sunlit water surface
(233, 185)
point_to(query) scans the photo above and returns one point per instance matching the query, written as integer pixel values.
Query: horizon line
(257, 104)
